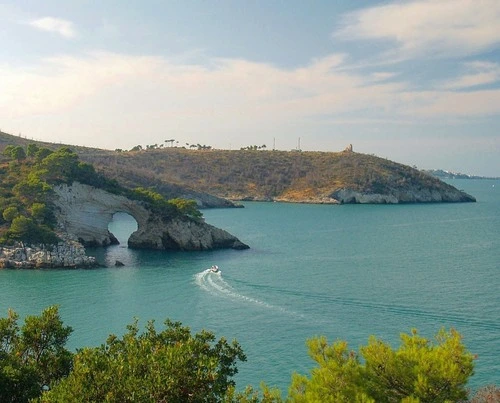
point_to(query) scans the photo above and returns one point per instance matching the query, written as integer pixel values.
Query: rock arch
(85, 212)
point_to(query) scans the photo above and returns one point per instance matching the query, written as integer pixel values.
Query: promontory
(53, 205)
(272, 175)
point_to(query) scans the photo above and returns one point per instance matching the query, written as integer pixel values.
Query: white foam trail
(215, 285)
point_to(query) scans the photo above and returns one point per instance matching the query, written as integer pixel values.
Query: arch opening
(121, 226)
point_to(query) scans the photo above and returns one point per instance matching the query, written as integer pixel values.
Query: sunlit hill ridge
(265, 175)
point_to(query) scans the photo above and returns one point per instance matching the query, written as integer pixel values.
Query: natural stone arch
(119, 224)
(86, 212)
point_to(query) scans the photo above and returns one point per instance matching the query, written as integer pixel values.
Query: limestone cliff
(86, 211)
(407, 195)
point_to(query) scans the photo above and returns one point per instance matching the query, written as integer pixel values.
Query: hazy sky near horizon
(417, 82)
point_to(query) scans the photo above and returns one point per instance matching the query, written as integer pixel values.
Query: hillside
(313, 177)
(133, 177)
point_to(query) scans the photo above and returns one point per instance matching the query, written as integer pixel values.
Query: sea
(342, 271)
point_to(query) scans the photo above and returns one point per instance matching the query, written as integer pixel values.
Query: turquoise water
(342, 271)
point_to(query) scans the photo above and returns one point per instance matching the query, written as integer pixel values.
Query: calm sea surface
(342, 271)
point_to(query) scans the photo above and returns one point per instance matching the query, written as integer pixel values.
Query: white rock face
(352, 196)
(409, 195)
(183, 234)
(86, 212)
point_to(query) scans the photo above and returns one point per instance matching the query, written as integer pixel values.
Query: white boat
(214, 269)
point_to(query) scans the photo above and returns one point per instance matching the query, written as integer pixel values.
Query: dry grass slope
(254, 174)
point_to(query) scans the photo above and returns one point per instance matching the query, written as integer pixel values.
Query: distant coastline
(443, 174)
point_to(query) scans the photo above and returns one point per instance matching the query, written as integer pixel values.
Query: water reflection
(121, 226)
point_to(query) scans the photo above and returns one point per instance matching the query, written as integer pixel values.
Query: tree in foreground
(32, 357)
(419, 371)
(168, 366)
(175, 366)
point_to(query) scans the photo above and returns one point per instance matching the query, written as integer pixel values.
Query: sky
(417, 82)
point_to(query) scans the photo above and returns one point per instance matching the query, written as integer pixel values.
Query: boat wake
(214, 284)
(394, 309)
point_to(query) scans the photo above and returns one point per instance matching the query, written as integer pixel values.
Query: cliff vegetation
(28, 176)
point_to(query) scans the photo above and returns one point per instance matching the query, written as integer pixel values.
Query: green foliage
(15, 152)
(28, 186)
(419, 371)
(23, 187)
(32, 357)
(250, 395)
(10, 213)
(168, 366)
(18, 153)
(38, 210)
(254, 147)
(41, 213)
(8, 150)
(186, 207)
(149, 196)
(419, 368)
(60, 166)
(30, 232)
(42, 153)
(172, 207)
(32, 189)
(174, 365)
(32, 149)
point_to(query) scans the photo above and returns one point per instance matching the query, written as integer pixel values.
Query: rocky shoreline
(448, 194)
(69, 254)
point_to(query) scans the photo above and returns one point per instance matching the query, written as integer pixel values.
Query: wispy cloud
(452, 104)
(236, 87)
(50, 24)
(383, 75)
(428, 27)
(229, 95)
(479, 73)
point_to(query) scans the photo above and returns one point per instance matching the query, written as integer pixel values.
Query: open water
(342, 271)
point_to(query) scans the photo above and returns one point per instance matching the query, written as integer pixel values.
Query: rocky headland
(409, 195)
(215, 178)
(85, 212)
(52, 206)
(344, 177)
